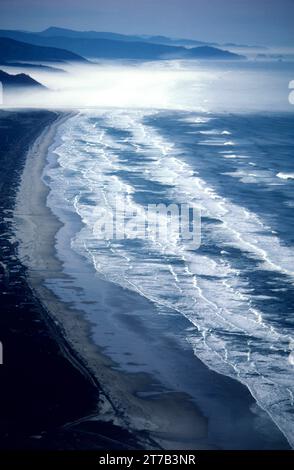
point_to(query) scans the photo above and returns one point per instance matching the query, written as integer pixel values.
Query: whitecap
(285, 176)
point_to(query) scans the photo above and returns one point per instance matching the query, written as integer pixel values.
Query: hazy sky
(246, 21)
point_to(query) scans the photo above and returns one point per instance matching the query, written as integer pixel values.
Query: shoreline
(151, 420)
(120, 405)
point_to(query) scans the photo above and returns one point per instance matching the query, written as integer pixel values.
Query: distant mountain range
(67, 45)
(70, 33)
(18, 81)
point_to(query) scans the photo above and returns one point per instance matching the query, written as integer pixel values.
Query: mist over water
(186, 85)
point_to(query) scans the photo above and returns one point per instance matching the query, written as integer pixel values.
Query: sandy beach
(36, 377)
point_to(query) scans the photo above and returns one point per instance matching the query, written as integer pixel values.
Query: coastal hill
(14, 50)
(20, 80)
(93, 45)
(111, 49)
(209, 52)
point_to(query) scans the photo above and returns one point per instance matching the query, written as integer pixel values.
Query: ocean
(228, 299)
